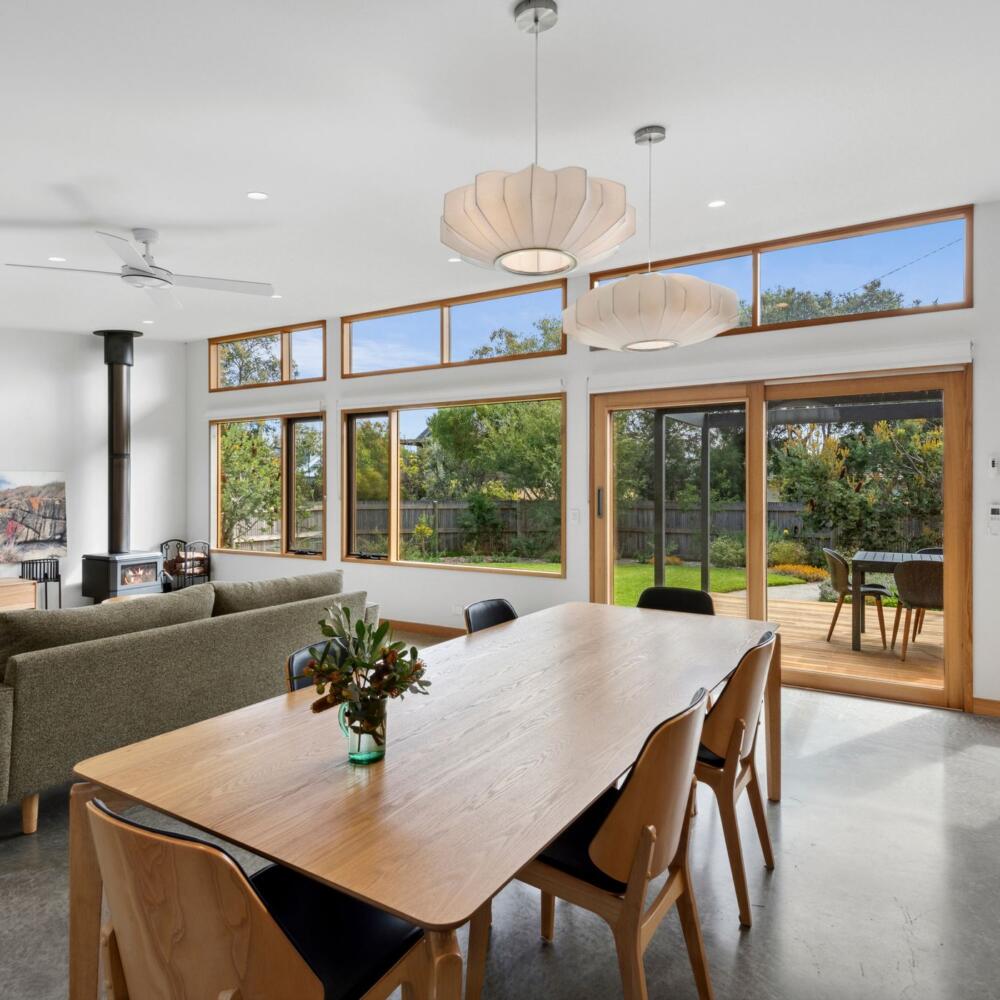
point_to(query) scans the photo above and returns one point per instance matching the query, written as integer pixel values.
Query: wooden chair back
(187, 923)
(656, 793)
(840, 578)
(486, 614)
(694, 602)
(920, 584)
(741, 699)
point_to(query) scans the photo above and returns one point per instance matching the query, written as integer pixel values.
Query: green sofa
(82, 681)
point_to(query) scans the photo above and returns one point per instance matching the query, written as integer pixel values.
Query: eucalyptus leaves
(360, 668)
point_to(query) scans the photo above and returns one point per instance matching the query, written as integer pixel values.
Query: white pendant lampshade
(650, 312)
(537, 221)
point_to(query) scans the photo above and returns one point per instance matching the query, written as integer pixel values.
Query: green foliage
(482, 525)
(361, 666)
(547, 336)
(864, 482)
(251, 360)
(728, 551)
(786, 550)
(309, 484)
(371, 458)
(793, 305)
(250, 455)
(421, 540)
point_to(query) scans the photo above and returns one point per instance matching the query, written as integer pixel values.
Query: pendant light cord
(537, 33)
(649, 213)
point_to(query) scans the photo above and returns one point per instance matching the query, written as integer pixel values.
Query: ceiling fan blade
(165, 299)
(73, 270)
(223, 284)
(125, 250)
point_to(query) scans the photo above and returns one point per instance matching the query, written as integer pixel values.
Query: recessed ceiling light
(148, 322)
(454, 260)
(718, 203)
(57, 260)
(256, 196)
(276, 296)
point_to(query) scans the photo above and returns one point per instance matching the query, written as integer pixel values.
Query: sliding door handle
(600, 501)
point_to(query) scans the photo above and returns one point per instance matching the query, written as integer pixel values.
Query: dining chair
(296, 677)
(930, 550)
(919, 586)
(486, 614)
(605, 861)
(695, 602)
(840, 580)
(727, 759)
(186, 921)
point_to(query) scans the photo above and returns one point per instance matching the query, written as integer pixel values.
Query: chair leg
(920, 620)
(760, 817)
(630, 962)
(881, 620)
(687, 910)
(916, 624)
(731, 833)
(906, 632)
(479, 939)
(548, 916)
(29, 813)
(836, 615)
(895, 625)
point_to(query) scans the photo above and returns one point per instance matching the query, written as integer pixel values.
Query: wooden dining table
(867, 561)
(526, 725)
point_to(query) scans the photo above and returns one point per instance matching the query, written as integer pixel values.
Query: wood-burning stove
(118, 571)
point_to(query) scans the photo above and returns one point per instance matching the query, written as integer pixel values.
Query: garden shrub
(810, 574)
(786, 550)
(728, 550)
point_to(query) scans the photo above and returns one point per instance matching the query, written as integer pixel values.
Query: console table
(16, 595)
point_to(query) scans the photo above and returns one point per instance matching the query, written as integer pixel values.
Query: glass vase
(364, 725)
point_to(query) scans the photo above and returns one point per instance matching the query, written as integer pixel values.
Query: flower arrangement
(360, 668)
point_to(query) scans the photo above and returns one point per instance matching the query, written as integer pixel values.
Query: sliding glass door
(801, 502)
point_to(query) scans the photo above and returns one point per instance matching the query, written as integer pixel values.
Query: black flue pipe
(118, 358)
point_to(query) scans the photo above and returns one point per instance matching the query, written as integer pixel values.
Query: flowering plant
(361, 667)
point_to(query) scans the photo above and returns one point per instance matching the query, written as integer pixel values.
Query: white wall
(436, 595)
(53, 404)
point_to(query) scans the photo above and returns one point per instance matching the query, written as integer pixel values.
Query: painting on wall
(32, 516)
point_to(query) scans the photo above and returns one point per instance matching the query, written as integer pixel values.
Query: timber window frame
(393, 557)
(287, 514)
(286, 338)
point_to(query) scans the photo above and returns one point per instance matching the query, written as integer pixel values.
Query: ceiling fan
(141, 271)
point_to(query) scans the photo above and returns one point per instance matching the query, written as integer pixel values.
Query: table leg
(772, 719)
(85, 893)
(446, 965)
(857, 606)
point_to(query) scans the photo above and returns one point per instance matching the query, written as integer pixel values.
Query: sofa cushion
(231, 598)
(25, 631)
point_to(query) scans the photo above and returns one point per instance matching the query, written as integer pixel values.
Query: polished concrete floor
(887, 882)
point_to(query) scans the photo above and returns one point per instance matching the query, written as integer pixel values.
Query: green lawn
(631, 579)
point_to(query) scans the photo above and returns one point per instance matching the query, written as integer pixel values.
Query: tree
(371, 458)
(503, 342)
(309, 481)
(874, 486)
(251, 360)
(793, 305)
(250, 456)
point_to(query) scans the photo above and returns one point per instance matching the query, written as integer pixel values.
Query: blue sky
(307, 352)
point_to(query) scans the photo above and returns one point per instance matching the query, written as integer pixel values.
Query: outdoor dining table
(867, 561)
(526, 725)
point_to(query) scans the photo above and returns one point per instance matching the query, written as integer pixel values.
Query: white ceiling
(357, 117)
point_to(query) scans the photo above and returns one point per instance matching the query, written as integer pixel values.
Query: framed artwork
(32, 516)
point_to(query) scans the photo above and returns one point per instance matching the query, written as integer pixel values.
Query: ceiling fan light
(139, 280)
(649, 309)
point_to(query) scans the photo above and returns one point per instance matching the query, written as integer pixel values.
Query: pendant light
(651, 312)
(536, 221)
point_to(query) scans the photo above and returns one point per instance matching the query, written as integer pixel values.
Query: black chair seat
(706, 756)
(348, 944)
(570, 851)
(873, 589)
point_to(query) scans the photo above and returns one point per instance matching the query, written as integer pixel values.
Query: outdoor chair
(840, 580)
(920, 585)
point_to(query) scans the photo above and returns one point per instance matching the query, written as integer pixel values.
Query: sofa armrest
(371, 614)
(6, 728)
